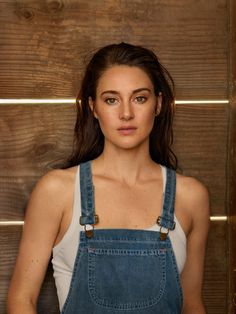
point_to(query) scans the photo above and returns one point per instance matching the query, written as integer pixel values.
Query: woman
(128, 234)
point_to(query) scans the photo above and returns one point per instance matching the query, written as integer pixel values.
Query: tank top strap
(88, 216)
(166, 220)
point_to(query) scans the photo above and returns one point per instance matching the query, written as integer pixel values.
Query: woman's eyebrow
(141, 90)
(110, 92)
(133, 92)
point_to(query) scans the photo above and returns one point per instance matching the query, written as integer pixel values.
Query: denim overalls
(124, 271)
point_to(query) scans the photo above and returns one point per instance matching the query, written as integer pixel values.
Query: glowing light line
(28, 101)
(21, 222)
(37, 101)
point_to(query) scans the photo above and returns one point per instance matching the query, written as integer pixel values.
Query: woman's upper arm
(42, 222)
(197, 201)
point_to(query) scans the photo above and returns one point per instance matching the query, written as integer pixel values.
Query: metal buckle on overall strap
(89, 228)
(89, 232)
(163, 235)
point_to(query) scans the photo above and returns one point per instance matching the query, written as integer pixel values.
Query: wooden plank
(44, 45)
(232, 162)
(232, 211)
(31, 135)
(215, 287)
(36, 138)
(201, 134)
(215, 290)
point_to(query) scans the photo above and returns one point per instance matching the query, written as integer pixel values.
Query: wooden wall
(44, 45)
(232, 161)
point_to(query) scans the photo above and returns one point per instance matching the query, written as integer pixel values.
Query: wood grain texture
(232, 161)
(215, 290)
(201, 135)
(34, 139)
(215, 286)
(39, 128)
(44, 44)
(232, 210)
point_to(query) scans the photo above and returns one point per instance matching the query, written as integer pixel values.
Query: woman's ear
(92, 107)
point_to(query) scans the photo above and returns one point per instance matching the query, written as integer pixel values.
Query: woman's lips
(127, 130)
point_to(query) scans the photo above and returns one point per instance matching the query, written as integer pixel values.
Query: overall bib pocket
(126, 279)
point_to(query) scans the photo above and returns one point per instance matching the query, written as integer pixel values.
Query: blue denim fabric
(87, 195)
(124, 271)
(167, 217)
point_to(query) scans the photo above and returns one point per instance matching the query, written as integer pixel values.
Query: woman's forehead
(122, 77)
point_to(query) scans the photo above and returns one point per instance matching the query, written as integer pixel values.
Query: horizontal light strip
(218, 218)
(11, 223)
(19, 223)
(72, 101)
(37, 101)
(224, 101)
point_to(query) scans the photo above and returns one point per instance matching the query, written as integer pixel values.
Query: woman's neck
(124, 165)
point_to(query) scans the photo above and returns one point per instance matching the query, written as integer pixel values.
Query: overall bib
(124, 271)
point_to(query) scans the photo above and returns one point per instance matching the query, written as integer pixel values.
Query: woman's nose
(126, 112)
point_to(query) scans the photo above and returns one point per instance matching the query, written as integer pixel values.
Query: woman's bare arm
(42, 224)
(197, 201)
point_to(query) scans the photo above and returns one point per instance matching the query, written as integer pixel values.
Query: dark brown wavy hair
(88, 137)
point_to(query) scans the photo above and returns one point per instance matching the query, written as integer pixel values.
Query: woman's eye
(110, 101)
(140, 99)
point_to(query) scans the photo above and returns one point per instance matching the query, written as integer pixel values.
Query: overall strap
(166, 220)
(88, 216)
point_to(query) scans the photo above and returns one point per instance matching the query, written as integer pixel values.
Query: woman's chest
(121, 206)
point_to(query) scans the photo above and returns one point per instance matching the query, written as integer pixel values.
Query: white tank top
(64, 253)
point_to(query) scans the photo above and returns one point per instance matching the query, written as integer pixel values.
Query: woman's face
(125, 106)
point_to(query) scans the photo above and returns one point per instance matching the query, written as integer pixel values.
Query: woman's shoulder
(191, 186)
(57, 178)
(193, 195)
(56, 184)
